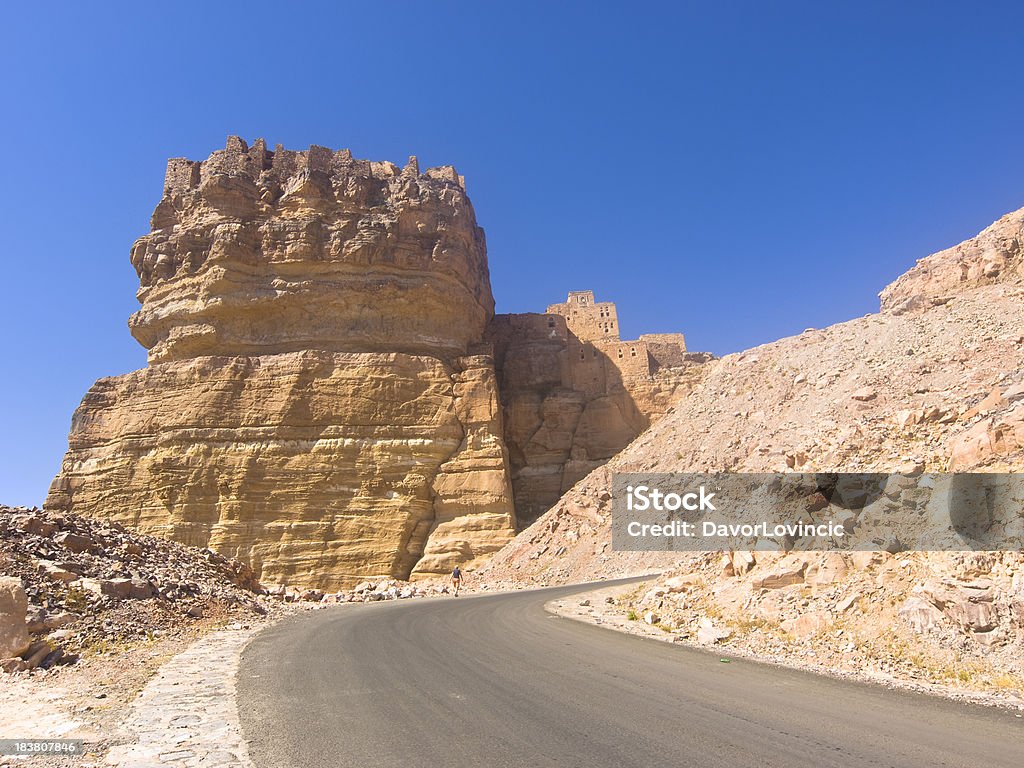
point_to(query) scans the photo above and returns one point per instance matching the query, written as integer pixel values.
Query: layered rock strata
(322, 400)
(317, 403)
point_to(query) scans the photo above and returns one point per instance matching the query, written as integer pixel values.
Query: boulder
(35, 655)
(830, 568)
(57, 573)
(708, 634)
(14, 636)
(117, 588)
(807, 624)
(74, 542)
(742, 562)
(682, 583)
(920, 614)
(989, 439)
(848, 602)
(34, 525)
(91, 585)
(973, 617)
(140, 589)
(780, 576)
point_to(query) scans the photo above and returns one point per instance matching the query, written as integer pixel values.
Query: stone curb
(187, 715)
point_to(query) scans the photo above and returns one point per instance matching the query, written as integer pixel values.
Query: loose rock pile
(71, 583)
(948, 618)
(364, 592)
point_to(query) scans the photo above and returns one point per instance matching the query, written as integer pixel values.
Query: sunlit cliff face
(258, 252)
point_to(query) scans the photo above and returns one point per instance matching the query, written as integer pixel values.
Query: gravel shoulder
(609, 607)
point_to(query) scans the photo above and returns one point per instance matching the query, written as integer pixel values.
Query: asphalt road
(496, 681)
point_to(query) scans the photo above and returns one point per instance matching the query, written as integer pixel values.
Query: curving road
(496, 681)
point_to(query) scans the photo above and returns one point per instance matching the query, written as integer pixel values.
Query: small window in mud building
(620, 354)
(632, 352)
(583, 355)
(593, 353)
(551, 323)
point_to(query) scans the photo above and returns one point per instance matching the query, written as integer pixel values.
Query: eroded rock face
(321, 463)
(255, 252)
(317, 403)
(322, 400)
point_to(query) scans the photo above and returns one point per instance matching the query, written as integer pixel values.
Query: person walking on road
(457, 580)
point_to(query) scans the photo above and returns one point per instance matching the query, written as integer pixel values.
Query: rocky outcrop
(318, 403)
(334, 464)
(329, 395)
(256, 252)
(996, 255)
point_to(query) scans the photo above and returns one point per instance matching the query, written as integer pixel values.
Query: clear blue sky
(735, 171)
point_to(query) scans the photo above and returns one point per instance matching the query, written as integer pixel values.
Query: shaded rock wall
(574, 394)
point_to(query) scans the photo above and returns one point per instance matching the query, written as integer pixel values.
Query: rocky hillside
(70, 584)
(934, 382)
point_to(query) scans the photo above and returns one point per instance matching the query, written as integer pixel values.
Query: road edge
(592, 607)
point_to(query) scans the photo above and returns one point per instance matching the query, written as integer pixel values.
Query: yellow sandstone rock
(310, 406)
(322, 399)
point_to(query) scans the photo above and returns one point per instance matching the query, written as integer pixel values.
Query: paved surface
(496, 681)
(187, 715)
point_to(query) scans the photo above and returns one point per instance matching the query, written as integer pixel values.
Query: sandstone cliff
(934, 382)
(315, 404)
(254, 252)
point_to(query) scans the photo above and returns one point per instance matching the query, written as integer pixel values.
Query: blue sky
(735, 171)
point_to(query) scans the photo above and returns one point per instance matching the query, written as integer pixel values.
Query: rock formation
(996, 255)
(321, 400)
(317, 402)
(574, 394)
(256, 252)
